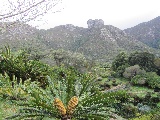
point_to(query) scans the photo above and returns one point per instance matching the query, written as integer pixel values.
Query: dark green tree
(144, 59)
(120, 63)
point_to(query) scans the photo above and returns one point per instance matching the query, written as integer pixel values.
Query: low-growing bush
(7, 91)
(139, 80)
(126, 110)
(151, 79)
(133, 71)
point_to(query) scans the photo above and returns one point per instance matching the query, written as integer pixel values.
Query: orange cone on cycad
(59, 105)
(72, 105)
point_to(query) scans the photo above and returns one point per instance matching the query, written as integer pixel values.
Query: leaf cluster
(64, 83)
(20, 66)
(151, 78)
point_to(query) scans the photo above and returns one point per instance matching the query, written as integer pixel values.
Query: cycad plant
(22, 67)
(69, 95)
(7, 91)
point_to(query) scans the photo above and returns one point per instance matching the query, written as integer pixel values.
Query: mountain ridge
(147, 32)
(98, 41)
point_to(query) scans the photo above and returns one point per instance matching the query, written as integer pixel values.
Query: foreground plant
(69, 95)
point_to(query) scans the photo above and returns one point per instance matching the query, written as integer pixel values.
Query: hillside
(98, 41)
(147, 32)
(17, 34)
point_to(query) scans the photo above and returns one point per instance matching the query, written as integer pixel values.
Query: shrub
(139, 80)
(133, 71)
(153, 80)
(157, 62)
(7, 91)
(126, 110)
(144, 109)
(121, 70)
(150, 78)
(144, 59)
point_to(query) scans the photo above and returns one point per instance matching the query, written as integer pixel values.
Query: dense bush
(150, 78)
(139, 80)
(126, 110)
(153, 80)
(144, 59)
(7, 91)
(120, 63)
(133, 71)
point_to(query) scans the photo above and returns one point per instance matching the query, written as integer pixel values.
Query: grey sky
(119, 13)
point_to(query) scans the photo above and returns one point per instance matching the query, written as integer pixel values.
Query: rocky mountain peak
(97, 23)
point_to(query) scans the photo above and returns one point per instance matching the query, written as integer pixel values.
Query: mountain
(16, 34)
(98, 41)
(147, 32)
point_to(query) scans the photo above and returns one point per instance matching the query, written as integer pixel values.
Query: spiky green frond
(38, 103)
(97, 116)
(98, 104)
(64, 83)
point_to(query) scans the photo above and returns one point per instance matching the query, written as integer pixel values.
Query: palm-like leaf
(64, 83)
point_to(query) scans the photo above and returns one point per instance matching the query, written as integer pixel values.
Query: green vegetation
(31, 89)
(144, 59)
(133, 71)
(120, 63)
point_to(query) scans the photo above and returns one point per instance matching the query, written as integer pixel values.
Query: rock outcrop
(97, 23)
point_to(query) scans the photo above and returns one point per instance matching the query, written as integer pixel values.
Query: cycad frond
(73, 97)
(97, 116)
(98, 104)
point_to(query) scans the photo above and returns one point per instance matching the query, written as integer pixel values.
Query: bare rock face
(97, 23)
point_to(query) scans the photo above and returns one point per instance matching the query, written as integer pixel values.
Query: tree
(24, 10)
(144, 59)
(157, 64)
(121, 59)
(120, 63)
